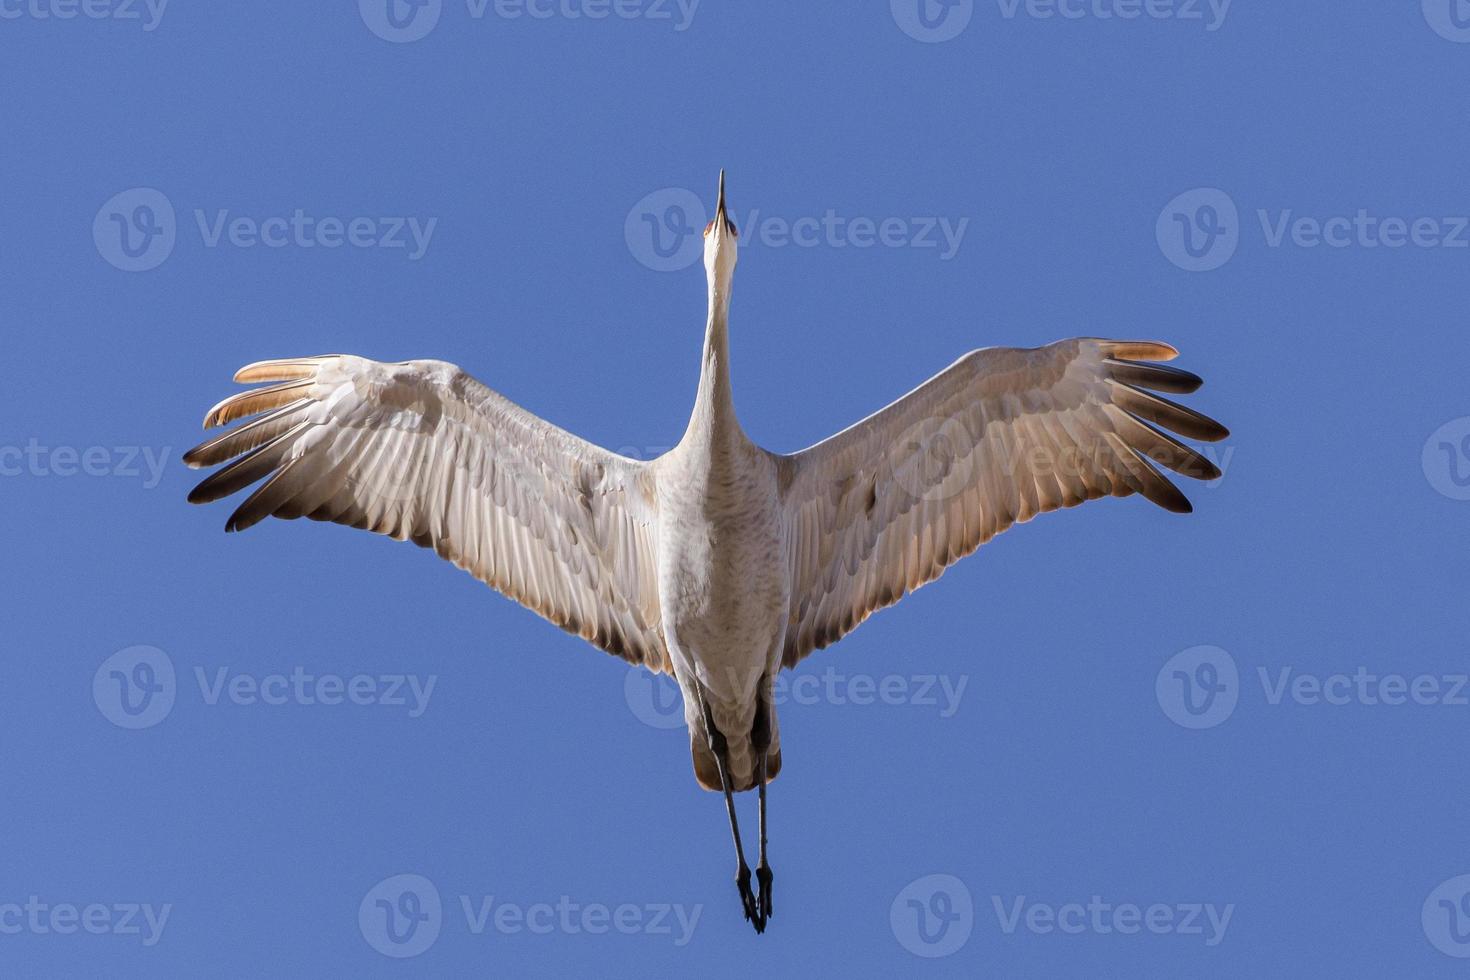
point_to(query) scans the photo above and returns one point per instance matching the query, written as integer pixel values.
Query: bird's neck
(713, 421)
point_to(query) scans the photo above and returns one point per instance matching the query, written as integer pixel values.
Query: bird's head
(721, 243)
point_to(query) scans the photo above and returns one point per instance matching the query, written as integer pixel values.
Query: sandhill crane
(719, 562)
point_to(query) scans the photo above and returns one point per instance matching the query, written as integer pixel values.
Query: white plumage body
(723, 581)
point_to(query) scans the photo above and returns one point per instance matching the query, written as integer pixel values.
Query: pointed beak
(722, 220)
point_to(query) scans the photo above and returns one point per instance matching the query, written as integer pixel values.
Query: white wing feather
(421, 451)
(1000, 436)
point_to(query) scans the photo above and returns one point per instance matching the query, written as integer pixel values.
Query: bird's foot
(747, 898)
(763, 877)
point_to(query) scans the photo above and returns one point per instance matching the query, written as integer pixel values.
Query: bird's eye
(709, 228)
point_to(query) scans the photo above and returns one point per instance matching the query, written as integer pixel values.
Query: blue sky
(1115, 741)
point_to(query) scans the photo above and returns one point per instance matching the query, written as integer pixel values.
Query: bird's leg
(719, 747)
(761, 739)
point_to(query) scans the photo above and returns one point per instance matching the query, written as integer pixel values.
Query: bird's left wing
(421, 451)
(995, 439)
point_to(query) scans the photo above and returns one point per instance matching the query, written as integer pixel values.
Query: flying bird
(719, 562)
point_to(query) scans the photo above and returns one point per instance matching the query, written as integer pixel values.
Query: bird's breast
(723, 575)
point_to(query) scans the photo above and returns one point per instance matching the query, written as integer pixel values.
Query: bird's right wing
(424, 452)
(1000, 436)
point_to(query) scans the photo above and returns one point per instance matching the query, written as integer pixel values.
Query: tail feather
(707, 772)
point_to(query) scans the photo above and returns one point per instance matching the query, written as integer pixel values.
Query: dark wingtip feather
(1171, 415)
(1159, 377)
(1168, 496)
(245, 470)
(1141, 476)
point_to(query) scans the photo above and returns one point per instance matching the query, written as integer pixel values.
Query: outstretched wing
(421, 451)
(995, 439)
